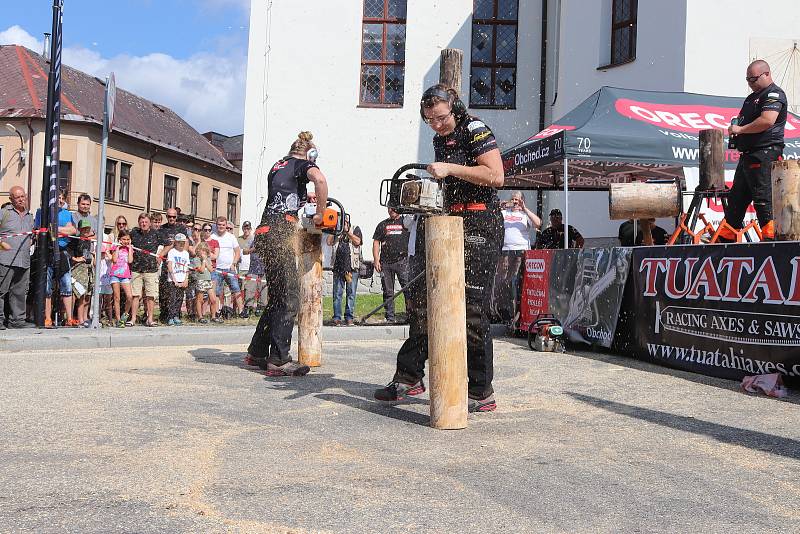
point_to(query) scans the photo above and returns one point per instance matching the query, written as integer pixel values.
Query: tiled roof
(23, 93)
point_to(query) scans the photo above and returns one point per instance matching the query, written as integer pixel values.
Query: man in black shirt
(552, 237)
(468, 161)
(390, 252)
(144, 268)
(626, 238)
(759, 138)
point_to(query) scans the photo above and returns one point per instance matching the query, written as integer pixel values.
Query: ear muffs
(456, 105)
(312, 155)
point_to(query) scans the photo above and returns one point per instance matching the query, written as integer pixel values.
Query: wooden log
(786, 200)
(712, 160)
(642, 200)
(447, 323)
(309, 317)
(450, 68)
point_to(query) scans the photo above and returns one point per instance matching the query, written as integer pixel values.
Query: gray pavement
(34, 339)
(189, 440)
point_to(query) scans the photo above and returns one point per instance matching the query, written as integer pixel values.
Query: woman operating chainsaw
(469, 163)
(275, 245)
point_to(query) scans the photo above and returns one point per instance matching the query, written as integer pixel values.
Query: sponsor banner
(689, 117)
(582, 288)
(533, 155)
(535, 286)
(726, 311)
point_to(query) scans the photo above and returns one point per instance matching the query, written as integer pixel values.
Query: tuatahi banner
(582, 288)
(721, 310)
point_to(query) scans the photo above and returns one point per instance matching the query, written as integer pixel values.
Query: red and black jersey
(393, 236)
(470, 139)
(286, 185)
(771, 98)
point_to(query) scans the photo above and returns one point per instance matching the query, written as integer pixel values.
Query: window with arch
(493, 62)
(383, 53)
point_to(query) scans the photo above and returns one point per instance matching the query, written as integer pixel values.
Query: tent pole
(566, 203)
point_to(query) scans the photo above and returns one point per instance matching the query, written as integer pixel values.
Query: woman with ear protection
(275, 245)
(469, 162)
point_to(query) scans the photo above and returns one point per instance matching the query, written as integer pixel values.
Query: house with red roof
(155, 159)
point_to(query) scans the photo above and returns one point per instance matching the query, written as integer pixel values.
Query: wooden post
(642, 201)
(447, 309)
(712, 160)
(447, 321)
(786, 200)
(309, 317)
(450, 68)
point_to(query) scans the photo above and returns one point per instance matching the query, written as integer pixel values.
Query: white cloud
(17, 35)
(206, 89)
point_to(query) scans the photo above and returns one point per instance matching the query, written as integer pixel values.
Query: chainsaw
(545, 334)
(413, 194)
(333, 218)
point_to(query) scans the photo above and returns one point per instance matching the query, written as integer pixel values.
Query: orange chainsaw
(333, 218)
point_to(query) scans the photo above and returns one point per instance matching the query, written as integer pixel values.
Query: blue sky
(189, 55)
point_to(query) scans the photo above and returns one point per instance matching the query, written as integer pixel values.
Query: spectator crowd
(203, 272)
(181, 264)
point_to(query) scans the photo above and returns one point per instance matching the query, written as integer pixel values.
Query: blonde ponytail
(302, 144)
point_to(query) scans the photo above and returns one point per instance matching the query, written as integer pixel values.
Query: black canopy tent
(624, 135)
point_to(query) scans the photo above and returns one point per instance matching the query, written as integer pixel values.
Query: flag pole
(46, 243)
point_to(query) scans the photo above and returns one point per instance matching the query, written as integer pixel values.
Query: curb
(69, 339)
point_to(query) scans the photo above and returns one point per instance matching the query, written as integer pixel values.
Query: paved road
(186, 439)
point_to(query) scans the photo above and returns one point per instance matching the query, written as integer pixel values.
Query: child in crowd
(120, 275)
(106, 292)
(82, 260)
(201, 265)
(177, 278)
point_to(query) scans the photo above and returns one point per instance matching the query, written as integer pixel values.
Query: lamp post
(22, 153)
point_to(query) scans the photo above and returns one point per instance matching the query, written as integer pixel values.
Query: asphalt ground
(187, 439)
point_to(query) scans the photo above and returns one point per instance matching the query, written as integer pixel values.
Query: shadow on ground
(321, 386)
(758, 441)
(602, 355)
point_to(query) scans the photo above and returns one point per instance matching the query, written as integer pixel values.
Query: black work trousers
(483, 239)
(752, 183)
(276, 247)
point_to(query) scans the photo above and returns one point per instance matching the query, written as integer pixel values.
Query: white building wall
(304, 63)
(303, 74)
(718, 41)
(584, 44)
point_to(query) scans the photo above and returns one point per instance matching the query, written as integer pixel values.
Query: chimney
(46, 52)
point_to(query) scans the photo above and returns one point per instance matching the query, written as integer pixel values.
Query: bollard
(447, 324)
(309, 317)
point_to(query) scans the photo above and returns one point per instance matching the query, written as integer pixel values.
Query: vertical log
(447, 322)
(450, 68)
(786, 200)
(712, 160)
(309, 317)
